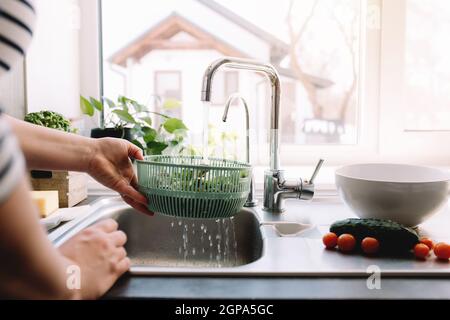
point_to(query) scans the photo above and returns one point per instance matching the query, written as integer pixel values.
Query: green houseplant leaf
(86, 106)
(137, 106)
(149, 134)
(138, 144)
(147, 120)
(155, 148)
(96, 104)
(173, 124)
(124, 116)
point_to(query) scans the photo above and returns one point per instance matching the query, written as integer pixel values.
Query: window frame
(399, 143)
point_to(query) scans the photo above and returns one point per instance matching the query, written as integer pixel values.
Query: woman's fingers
(119, 238)
(137, 205)
(126, 189)
(121, 253)
(107, 225)
(134, 152)
(123, 266)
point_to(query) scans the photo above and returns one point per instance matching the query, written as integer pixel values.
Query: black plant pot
(124, 133)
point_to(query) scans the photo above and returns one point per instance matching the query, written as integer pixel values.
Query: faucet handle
(307, 191)
(316, 171)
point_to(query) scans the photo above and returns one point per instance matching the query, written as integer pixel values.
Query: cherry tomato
(428, 242)
(370, 245)
(442, 251)
(421, 251)
(346, 242)
(330, 240)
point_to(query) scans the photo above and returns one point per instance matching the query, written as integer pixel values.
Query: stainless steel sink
(169, 242)
(163, 241)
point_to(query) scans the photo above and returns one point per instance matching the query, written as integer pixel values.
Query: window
(363, 80)
(313, 44)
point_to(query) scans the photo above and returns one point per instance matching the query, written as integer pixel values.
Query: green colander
(184, 186)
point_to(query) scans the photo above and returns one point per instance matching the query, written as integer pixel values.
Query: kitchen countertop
(215, 287)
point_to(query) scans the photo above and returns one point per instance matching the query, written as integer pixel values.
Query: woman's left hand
(110, 165)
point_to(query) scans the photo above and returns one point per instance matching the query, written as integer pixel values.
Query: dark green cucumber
(393, 236)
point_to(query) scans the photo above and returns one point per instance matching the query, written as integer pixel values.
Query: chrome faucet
(251, 201)
(276, 188)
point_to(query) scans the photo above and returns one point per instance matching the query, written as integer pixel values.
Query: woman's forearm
(31, 267)
(50, 149)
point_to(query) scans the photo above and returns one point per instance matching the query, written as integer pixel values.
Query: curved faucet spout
(271, 73)
(233, 97)
(251, 201)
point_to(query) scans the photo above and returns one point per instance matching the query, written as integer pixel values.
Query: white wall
(52, 63)
(12, 92)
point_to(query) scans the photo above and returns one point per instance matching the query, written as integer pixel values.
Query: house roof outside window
(177, 32)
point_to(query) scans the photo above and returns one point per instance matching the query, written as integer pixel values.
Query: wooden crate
(71, 186)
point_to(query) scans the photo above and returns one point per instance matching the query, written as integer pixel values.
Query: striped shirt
(12, 164)
(17, 19)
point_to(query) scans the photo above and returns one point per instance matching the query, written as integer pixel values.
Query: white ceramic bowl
(404, 193)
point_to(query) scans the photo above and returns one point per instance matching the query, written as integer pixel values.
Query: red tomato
(428, 242)
(346, 242)
(330, 240)
(442, 251)
(370, 245)
(421, 251)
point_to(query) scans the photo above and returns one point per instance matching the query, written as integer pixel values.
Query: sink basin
(170, 242)
(164, 241)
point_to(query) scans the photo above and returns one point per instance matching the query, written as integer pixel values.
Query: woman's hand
(110, 165)
(100, 254)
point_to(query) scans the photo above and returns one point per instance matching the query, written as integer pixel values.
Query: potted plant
(71, 186)
(131, 120)
(116, 124)
(50, 119)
